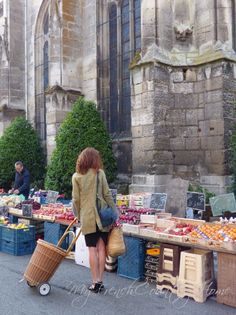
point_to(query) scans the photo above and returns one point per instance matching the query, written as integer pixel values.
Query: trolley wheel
(30, 285)
(44, 289)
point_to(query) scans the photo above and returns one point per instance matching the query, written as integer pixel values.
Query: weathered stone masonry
(182, 88)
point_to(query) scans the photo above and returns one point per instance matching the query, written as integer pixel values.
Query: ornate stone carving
(183, 31)
(55, 16)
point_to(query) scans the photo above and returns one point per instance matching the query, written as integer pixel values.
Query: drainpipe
(233, 25)
(7, 25)
(156, 22)
(216, 20)
(26, 61)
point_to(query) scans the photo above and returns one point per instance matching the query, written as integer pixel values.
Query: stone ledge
(59, 88)
(147, 188)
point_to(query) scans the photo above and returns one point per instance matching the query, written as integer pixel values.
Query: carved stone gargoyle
(183, 31)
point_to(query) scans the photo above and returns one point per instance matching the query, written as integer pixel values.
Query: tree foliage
(20, 142)
(82, 128)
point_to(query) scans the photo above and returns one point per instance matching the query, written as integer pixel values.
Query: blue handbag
(107, 215)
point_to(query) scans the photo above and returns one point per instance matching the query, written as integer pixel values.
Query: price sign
(158, 201)
(196, 200)
(52, 196)
(27, 211)
(223, 203)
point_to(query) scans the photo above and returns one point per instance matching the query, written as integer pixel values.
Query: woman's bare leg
(94, 263)
(101, 258)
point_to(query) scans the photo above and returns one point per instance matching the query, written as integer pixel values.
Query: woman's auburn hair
(88, 158)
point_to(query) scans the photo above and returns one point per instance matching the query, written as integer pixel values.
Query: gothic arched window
(45, 65)
(113, 69)
(122, 22)
(125, 101)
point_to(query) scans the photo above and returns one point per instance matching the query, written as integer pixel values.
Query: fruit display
(55, 211)
(172, 229)
(181, 229)
(10, 201)
(68, 215)
(122, 200)
(228, 233)
(216, 232)
(35, 205)
(17, 226)
(3, 220)
(132, 215)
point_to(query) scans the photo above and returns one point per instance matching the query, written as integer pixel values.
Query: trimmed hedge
(82, 128)
(20, 142)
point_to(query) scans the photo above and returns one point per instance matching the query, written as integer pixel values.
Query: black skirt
(92, 238)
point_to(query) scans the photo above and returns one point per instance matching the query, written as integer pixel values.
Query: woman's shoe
(101, 285)
(95, 287)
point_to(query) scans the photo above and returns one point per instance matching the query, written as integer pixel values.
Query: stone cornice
(193, 57)
(59, 88)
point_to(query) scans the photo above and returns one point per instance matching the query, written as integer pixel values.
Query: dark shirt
(22, 182)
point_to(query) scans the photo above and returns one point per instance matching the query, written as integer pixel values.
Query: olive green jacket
(84, 189)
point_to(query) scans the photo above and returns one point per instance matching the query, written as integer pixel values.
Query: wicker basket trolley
(45, 261)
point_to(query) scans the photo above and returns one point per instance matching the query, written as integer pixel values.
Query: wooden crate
(226, 279)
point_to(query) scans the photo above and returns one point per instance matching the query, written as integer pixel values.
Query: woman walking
(84, 191)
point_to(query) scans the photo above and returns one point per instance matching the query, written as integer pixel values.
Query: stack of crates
(196, 276)
(167, 275)
(140, 200)
(152, 262)
(39, 227)
(53, 232)
(131, 264)
(18, 242)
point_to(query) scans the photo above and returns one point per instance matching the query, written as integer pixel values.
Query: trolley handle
(67, 232)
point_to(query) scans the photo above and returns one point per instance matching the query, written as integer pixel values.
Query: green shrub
(20, 142)
(82, 128)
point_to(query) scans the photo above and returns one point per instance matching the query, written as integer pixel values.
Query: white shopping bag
(81, 251)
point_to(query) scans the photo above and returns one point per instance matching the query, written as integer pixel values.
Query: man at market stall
(22, 180)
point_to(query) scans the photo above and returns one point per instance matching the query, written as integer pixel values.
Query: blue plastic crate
(21, 235)
(18, 249)
(64, 201)
(1, 237)
(12, 218)
(131, 264)
(53, 232)
(43, 200)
